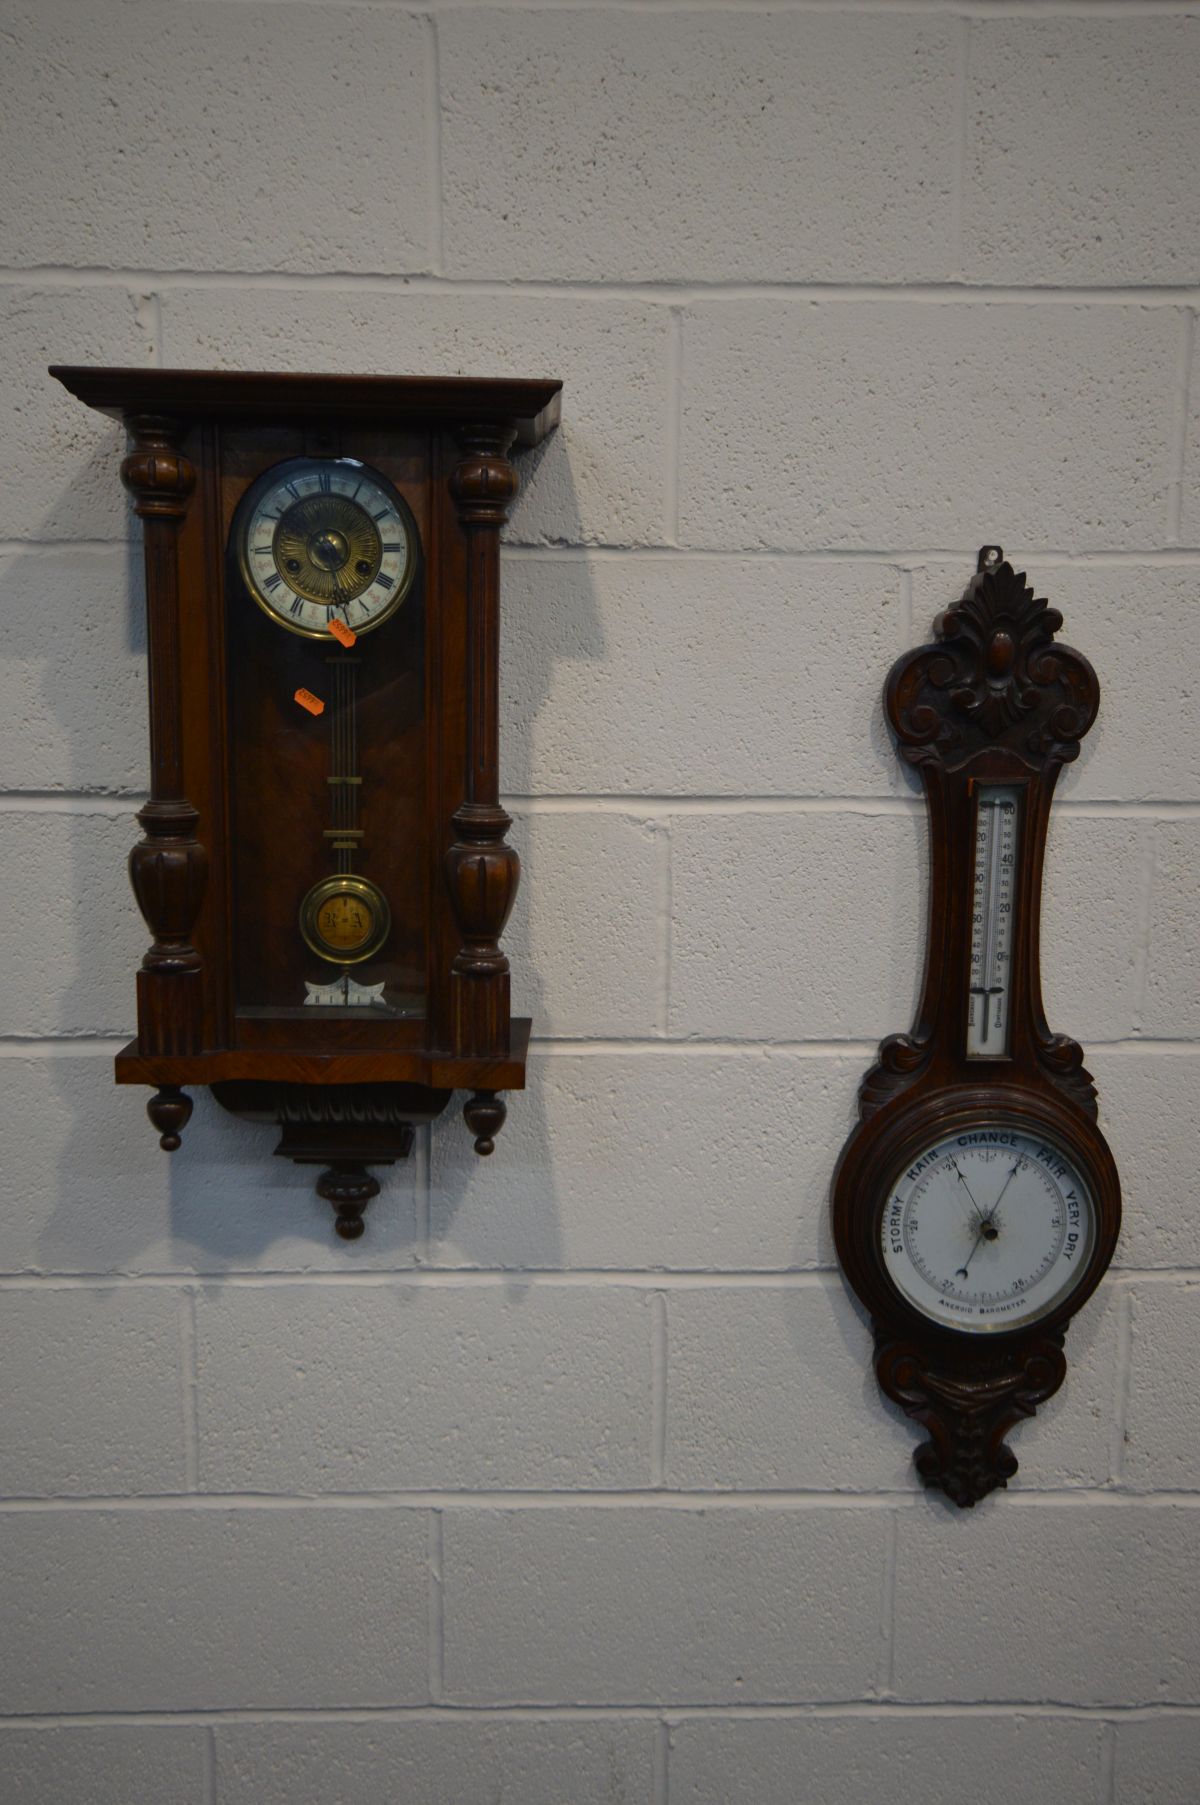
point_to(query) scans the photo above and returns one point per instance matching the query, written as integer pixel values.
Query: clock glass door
(325, 655)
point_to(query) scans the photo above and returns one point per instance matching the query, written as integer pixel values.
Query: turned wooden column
(168, 866)
(482, 870)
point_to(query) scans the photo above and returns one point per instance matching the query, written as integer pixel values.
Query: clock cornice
(529, 407)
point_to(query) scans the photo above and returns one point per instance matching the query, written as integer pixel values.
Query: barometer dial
(323, 539)
(988, 1227)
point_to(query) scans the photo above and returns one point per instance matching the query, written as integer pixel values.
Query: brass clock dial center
(329, 548)
(319, 537)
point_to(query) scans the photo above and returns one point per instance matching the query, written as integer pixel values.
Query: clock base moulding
(331, 540)
(328, 1116)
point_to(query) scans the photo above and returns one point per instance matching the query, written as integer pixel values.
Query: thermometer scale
(992, 921)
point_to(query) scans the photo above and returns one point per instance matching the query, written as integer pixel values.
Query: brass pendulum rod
(344, 780)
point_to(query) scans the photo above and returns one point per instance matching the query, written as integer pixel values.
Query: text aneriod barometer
(324, 865)
(976, 1204)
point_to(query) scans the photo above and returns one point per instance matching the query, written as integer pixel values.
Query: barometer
(976, 1204)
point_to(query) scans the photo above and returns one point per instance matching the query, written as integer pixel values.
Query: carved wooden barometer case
(976, 1204)
(324, 865)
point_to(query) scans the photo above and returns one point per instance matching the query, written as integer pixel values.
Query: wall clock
(324, 866)
(976, 1204)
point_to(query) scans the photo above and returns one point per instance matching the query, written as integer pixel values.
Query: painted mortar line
(210, 1766)
(422, 1192)
(887, 1662)
(892, 1711)
(907, 628)
(673, 436)
(1175, 493)
(522, 1278)
(15, 1046)
(1150, 557)
(1145, 930)
(1004, 9)
(958, 161)
(811, 1049)
(669, 292)
(650, 810)
(660, 1783)
(654, 809)
(437, 1623)
(11, 548)
(1131, 1045)
(453, 1278)
(1122, 1382)
(86, 1045)
(1107, 1776)
(659, 1351)
(54, 802)
(666, 926)
(984, 9)
(701, 1503)
(640, 1498)
(190, 1389)
(148, 321)
(435, 218)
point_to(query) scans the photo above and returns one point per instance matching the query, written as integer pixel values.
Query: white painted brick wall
(571, 1479)
(596, 1606)
(105, 1764)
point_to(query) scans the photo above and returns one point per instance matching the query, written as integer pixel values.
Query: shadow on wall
(222, 1201)
(518, 1177)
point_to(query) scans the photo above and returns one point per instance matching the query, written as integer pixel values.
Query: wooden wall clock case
(358, 1017)
(976, 1204)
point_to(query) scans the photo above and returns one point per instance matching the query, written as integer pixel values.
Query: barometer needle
(991, 1215)
(962, 1271)
(966, 1187)
(988, 1230)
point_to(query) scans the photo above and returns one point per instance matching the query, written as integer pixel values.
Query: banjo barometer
(976, 1204)
(324, 864)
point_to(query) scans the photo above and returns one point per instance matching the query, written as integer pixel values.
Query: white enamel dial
(988, 1228)
(325, 539)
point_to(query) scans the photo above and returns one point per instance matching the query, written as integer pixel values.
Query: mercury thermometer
(992, 903)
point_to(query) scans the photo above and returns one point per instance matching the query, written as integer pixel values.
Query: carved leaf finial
(993, 676)
(968, 1409)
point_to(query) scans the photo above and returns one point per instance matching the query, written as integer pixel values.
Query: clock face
(989, 1228)
(324, 539)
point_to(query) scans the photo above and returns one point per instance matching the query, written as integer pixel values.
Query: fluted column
(482, 870)
(168, 867)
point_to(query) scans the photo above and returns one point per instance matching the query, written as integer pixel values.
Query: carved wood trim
(482, 870)
(968, 1406)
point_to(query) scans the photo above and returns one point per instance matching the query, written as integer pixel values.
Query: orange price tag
(307, 700)
(345, 635)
